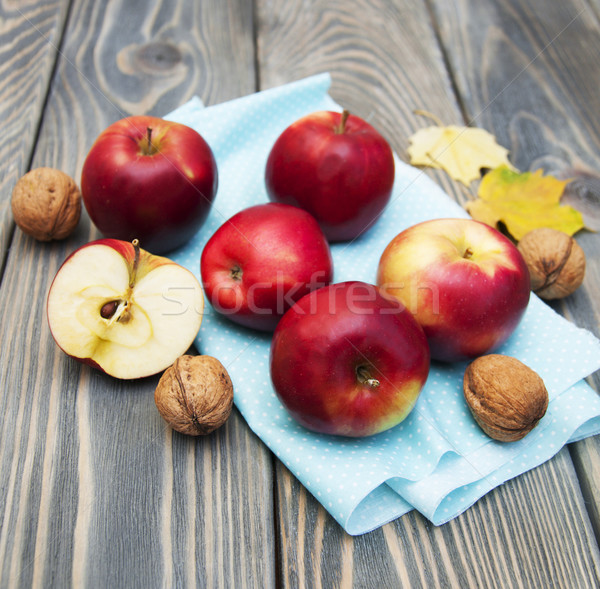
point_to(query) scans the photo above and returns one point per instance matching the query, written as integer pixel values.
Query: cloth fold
(438, 460)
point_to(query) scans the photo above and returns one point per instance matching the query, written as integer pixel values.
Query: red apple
(149, 179)
(337, 167)
(347, 360)
(116, 307)
(262, 260)
(466, 284)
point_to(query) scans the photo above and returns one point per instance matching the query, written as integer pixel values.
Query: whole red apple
(347, 360)
(117, 307)
(149, 179)
(262, 260)
(466, 284)
(337, 167)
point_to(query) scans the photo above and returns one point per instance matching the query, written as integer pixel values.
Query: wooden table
(94, 491)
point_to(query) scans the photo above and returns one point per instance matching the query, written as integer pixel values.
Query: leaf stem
(425, 113)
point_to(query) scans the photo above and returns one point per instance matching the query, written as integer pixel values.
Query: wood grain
(385, 62)
(96, 490)
(519, 535)
(30, 33)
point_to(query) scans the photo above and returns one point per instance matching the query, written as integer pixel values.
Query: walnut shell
(46, 204)
(555, 260)
(195, 395)
(506, 397)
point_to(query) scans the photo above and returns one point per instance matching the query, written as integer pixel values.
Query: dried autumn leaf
(522, 202)
(461, 151)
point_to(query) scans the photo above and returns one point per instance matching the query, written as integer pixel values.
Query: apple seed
(108, 309)
(115, 311)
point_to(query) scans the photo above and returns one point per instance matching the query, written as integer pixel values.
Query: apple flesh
(116, 307)
(466, 284)
(149, 179)
(262, 260)
(349, 361)
(337, 167)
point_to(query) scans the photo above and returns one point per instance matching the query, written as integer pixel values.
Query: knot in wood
(159, 56)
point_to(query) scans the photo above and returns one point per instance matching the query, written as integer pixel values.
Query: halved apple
(124, 310)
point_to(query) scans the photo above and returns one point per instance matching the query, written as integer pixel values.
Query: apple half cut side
(121, 309)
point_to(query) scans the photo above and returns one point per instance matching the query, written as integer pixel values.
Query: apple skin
(161, 198)
(163, 316)
(466, 284)
(262, 260)
(327, 347)
(343, 178)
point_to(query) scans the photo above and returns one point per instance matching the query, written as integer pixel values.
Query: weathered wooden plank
(30, 33)
(519, 535)
(586, 458)
(530, 75)
(96, 491)
(385, 63)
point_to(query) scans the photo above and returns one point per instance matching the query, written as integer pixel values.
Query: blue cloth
(438, 460)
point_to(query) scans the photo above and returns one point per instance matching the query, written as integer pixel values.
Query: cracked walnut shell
(46, 204)
(195, 395)
(555, 260)
(506, 397)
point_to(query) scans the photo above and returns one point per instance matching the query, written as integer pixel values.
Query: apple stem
(136, 260)
(468, 254)
(150, 151)
(341, 128)
(146, 146)
(364, 377)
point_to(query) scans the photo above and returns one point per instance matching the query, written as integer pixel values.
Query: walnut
(195, 395)
(555, 260)
(46, 204)
(506, 397)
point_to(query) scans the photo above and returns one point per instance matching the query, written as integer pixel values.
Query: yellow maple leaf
(461, 151)
(522, 202)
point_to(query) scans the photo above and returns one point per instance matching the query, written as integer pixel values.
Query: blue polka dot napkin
(437, 461)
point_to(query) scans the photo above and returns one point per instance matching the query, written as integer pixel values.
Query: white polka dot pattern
(438, 460)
